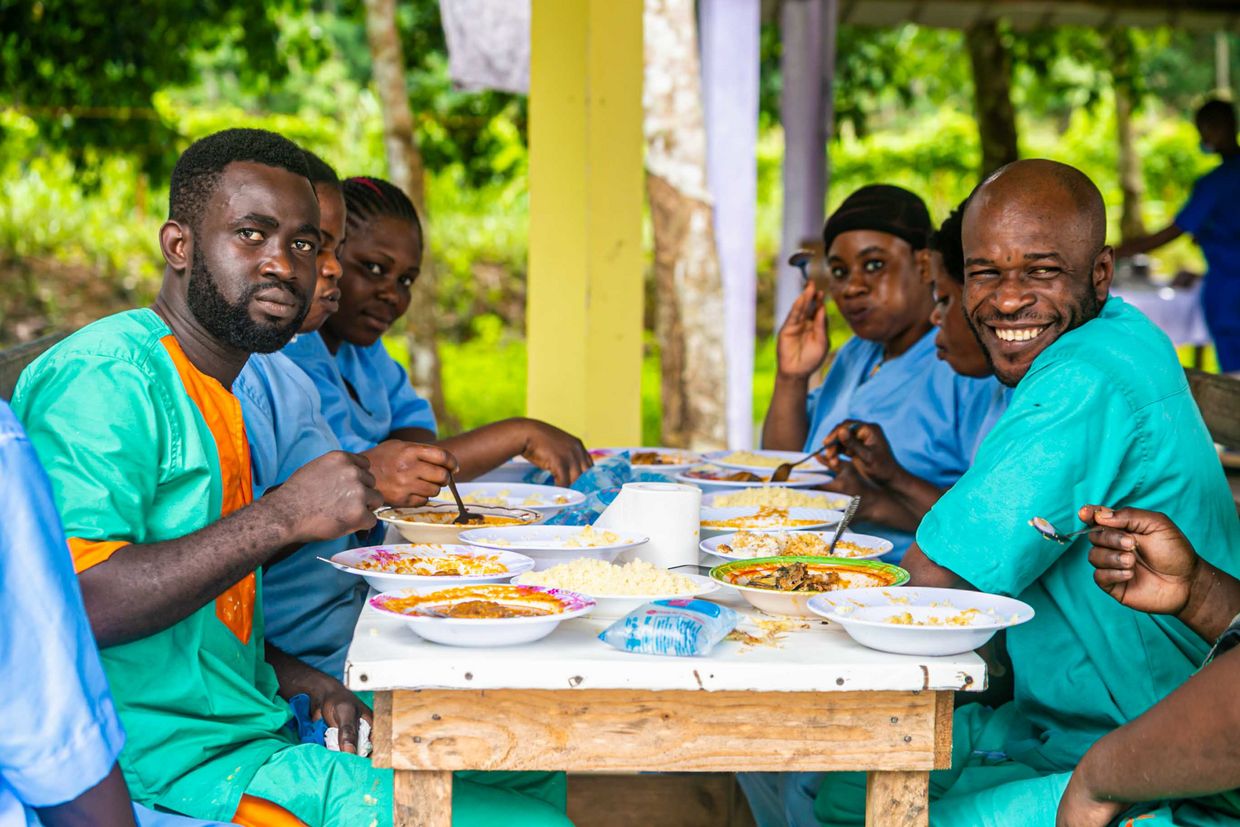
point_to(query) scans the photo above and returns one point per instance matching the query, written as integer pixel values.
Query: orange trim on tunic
(222, 412)
(88, 553)
(259, 812)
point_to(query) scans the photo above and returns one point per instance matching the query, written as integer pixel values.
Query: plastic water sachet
(671, 627)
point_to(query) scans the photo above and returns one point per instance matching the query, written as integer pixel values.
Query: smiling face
(1035, 265)
(877, 284)
(326, 299)
(252, 262)
(381, 261)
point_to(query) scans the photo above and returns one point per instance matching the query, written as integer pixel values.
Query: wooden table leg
(897, 799)
(422, 798)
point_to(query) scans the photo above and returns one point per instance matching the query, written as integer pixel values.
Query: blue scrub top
(72, 743)
(310, 608)
(380, 401)
(1103, 416)
(1211, 218)
(933, 417)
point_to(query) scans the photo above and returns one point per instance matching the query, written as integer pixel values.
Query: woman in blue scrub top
(877, 260)
(366, 396)
(871, 465)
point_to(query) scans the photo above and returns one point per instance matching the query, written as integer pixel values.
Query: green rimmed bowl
(850, 574)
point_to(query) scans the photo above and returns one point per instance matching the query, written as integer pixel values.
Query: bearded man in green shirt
(146, 450)
(1101, 412)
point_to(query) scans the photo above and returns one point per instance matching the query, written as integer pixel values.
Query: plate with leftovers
(619, 589)
(709, 478)
(746, 545)
(918, 620)
(784, 585)
(552, 544)
(432, 523)
(545, 499)
(391, 567)
(757, 462)
(483, 615)
(716, 521)
(778, 497)
(653, 459)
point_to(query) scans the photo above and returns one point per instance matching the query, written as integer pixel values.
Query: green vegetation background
(83, 197)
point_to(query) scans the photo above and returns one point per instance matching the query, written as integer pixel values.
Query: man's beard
(232, 323)
(1086, 309)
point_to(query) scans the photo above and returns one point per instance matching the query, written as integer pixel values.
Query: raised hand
(409, 473)
(803, 341)
(327, 498)
(1141, 558)
(556, 451)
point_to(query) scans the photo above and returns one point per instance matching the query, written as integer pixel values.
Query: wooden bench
(14, 360)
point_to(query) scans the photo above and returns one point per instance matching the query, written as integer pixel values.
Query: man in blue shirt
(1213, 221)
(57, 758)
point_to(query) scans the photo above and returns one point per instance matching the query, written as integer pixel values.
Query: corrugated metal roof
(1193, 15)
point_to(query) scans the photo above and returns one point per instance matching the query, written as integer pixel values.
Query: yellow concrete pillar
(584, 309)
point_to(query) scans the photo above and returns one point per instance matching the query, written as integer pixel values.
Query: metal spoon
(784, 471)
(1043, 526)
(465, 516)
(847, 518)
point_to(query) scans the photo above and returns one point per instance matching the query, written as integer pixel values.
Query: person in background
(311, 608)
(877, 257)
(859, 454)
(1100, 412)
(366, 396)
(58, 762)
(1211, 218)
(1176, 764)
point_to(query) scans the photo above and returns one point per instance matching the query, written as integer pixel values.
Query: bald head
(1035, 259)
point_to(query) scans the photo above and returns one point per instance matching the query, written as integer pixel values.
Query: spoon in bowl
(465, 516)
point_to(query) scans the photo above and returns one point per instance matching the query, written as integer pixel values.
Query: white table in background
(818, 702)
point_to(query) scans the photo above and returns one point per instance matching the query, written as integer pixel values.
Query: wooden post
(584, 312)
(992, 92)
(897, 799)
(422, 798)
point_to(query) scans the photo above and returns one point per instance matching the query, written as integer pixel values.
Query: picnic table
(812, 700)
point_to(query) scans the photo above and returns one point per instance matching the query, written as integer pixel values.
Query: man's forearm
(787, 424)
(1213, 604)
(105, 803)
(1186, 745)
(144, 589)
(917, 495)
(485, 448)
(925, 572)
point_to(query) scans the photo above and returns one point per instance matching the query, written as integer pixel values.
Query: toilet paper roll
(668, 513)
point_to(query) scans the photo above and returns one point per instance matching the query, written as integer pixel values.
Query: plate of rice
(391, 567)
(619, 589)
(545, 499)
(757, 462)
(653, 459)
(778, 497)
(716, 521)
(916, 620)
(746, 545)
(552, 544)
(709, 478)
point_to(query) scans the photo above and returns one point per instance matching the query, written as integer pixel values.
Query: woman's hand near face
(803, 342)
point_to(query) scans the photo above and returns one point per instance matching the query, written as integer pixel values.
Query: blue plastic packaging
(671, 627)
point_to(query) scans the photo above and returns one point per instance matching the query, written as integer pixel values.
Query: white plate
(865, 613)
(613, 606)
(383, 581)
(540, 498)
(682, 458)
(776, 457)
(797, 480)
(816, 518)
(508, 631)
(829, 499)
(875, 546)
(547, 544)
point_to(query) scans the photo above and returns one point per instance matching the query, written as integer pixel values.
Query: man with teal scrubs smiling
(1100, 412)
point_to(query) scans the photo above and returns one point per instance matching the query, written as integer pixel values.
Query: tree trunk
(688, 286)
(405, 171)
(1131, 184)
(992, 94)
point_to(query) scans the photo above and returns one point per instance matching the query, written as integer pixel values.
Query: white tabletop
(387, 654)
(1176, 310)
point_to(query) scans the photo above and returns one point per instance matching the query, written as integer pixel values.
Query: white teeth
(1019, 335)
